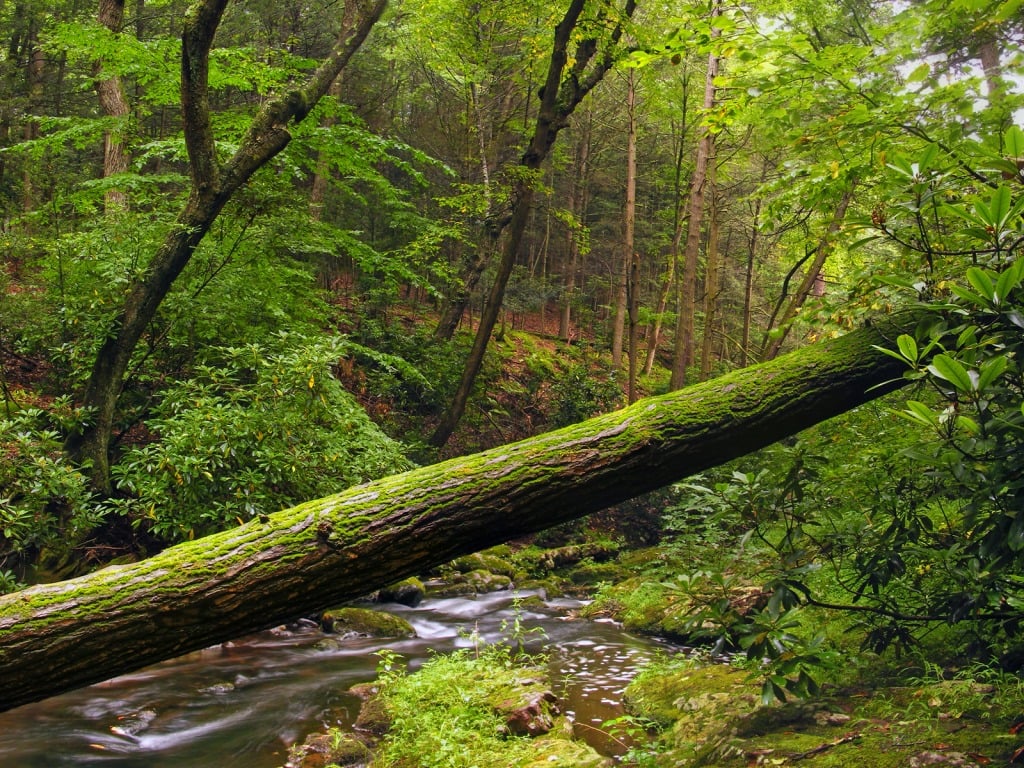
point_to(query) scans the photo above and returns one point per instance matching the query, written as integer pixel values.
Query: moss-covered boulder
(494, 560)
(320, 750)
(408, 592)
(365, 622)
(556, 751)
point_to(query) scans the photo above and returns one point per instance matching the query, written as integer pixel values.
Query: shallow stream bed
(241, 704)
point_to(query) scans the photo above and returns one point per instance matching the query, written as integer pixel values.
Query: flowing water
(243, 703)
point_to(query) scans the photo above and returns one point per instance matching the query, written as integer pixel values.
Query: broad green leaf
(990, 371)
(968, 424)
(1000, 206)
(908, 347)
(921, 413)
(928, 157)
(1013, 139)
(981, 281)
(964, 295)
(951, 370)
(1009, 279)
(920, 73)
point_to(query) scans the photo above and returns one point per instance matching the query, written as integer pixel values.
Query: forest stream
(243, 703)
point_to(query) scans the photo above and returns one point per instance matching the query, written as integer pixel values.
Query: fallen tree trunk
(56, 637)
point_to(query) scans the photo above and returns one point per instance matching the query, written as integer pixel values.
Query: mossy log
(56, 637)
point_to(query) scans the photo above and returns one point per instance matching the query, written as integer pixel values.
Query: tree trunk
(669, 279)
(559, 99)
(213, 185)
(576, 202)
(55, 637)
(115, 105)
(687, 306)
(630, 256)
(712, 272)
(772, 346)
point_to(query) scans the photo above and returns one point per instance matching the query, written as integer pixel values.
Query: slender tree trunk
(772, 345)
(668, 283)
(712, 274)
(487, 243)
(56, 637)
(654, 332)
(577, 204)
(630, 256)
(458, 302)
(212, 186)
(559, 99)
(114, 105)
(322, 174)
(687, 305)
(748, 284)
(34, 81)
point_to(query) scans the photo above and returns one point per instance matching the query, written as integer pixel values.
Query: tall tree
(576, 203)
(712, 269)
(687, 294)
(114, 105)
(565, 86)
(213, 183)
(630, 254)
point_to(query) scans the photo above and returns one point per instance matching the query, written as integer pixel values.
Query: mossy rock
(487, 561)
(320, 750)
(363, 621)
(556, 751)
(664, 695)
(588, 574)
(485, 581)
(408, 592)
(373, 718)
(471, 583)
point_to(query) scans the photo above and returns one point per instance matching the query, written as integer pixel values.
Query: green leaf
(919, 74)
(1009, 279)
(964, 295)
(950, 369)
(981, 281)
(968, 424)
(990, 371)
(928, 157)
(920, 413)
(1013, 139)
(908, 347)
(1000, 206)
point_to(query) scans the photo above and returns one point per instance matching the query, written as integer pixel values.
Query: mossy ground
(454, 712)
(711, 715)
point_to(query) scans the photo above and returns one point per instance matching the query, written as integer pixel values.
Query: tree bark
(56, 637)
(115, 105)
(212, 187)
